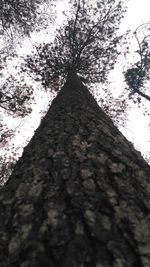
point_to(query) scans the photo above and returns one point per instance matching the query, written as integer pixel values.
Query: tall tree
(79, 196)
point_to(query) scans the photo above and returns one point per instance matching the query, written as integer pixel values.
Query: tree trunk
(79, 196)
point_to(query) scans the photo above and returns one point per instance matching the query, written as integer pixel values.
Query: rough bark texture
(79, 196)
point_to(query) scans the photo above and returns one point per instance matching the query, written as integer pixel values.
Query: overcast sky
(137, 129)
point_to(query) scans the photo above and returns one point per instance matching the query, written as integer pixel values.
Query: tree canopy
(19, 13)
(87, 44)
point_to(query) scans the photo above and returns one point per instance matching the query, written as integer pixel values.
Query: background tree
(18, 19)
(138, 74)
(6, 166)
(15, 96)
(20, 14)
(16, 99)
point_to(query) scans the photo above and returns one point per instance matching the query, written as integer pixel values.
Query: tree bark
(79, 195)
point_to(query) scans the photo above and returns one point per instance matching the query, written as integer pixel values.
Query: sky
(137, 130)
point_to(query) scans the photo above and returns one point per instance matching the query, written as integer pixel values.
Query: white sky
(137, 129)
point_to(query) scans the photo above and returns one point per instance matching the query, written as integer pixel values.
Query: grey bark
(79, 196)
